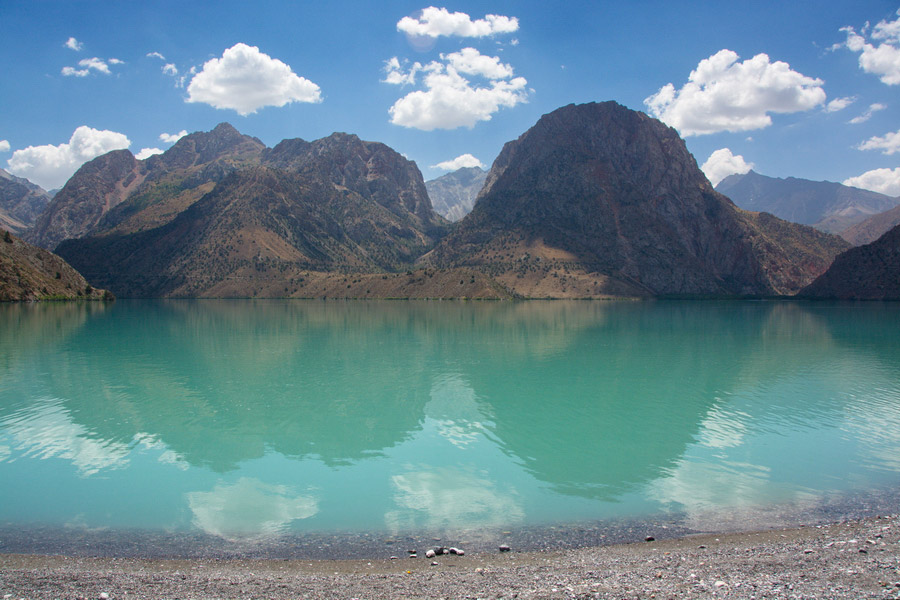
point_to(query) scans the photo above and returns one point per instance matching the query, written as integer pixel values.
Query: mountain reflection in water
(248, 419)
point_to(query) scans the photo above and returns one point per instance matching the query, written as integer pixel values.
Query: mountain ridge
(826, 205)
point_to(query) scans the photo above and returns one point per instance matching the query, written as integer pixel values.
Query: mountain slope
(338, 204)
(598, 200)
(21, 202)
(29, 272)
(112, 189)
(453, 195)
(825, 205)
(869, 272)
(872, 228)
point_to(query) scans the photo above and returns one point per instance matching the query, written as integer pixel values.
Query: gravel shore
(853, 559)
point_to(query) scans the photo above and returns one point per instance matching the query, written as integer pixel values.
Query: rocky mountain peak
(96, 188)
(616, 195)
(207, 146)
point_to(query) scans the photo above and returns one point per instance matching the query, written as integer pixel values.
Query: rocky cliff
(825, 205)
(869, 272)
(597, 200)
(453, 195)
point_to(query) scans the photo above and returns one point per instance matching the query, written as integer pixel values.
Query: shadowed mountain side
(872, 228)
(28, 272)
(257, 226)
(869, 272)
(599, 200)
(825, 205)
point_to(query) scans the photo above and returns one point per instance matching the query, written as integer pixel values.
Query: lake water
(247, 423)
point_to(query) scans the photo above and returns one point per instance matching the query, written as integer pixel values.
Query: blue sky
(794, 88)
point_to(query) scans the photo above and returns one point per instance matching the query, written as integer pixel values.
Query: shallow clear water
(247, 420)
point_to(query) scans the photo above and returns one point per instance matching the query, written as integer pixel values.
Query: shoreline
(848, 559)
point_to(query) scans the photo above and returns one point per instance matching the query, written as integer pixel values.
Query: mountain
(28, 272)
(869, 272)
(825, 205)
(267, 222)
(91, 199)
(453, 195)
(597, 200)
(872, 228)
(21, 202)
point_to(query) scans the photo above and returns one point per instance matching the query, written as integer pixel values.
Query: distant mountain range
(453, 195)
(21, 202)
(594, 200)
(828, 206)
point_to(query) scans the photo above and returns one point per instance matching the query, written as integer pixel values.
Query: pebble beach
(849, 559)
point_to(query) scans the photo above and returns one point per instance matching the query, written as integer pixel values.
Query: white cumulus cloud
(51, 166)
(89, 64)
(471, 62)
(723, 94)
(73, 44)
(435, 22)
(245, 80)
(873, 108)
(156, 55)
(882, 59)
(450, 99)
(723, 163)
(147, 153)
(170, 69)
(4, 145)
(889, 143)
(463, 160)
(839, 104)
(171, 138)
(884, 181)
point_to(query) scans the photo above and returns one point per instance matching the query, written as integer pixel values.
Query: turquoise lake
(248, 422)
